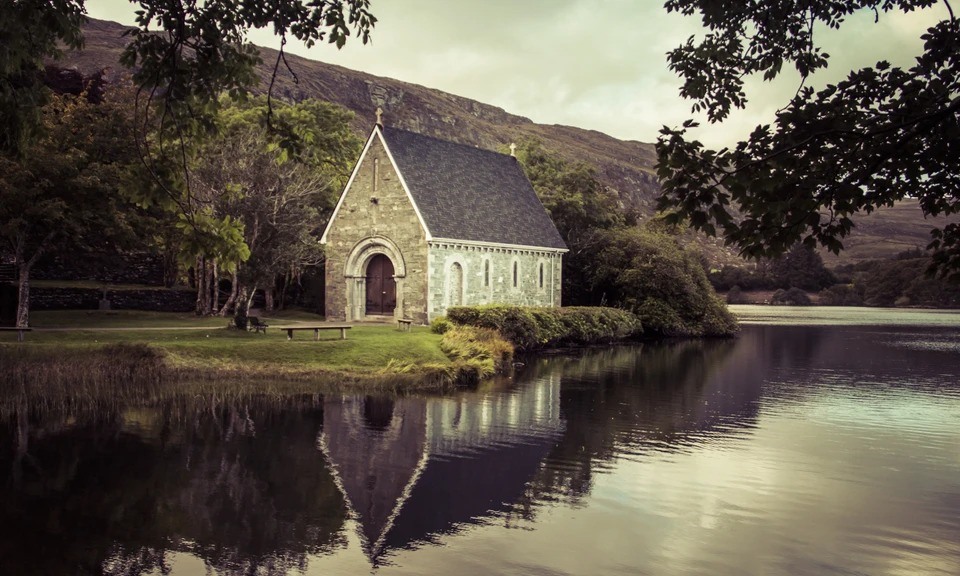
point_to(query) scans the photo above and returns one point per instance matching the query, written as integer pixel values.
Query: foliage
(881, 134)
(842, 295)
(185, 56)
(63, 192)
(735, 296)
(579, 207)
(531, 328)
(440, 325)
(790, 297)
(649, 273)
(31, 31)
(800, 267)
(744, 277)
(482, 350)
(280, 198)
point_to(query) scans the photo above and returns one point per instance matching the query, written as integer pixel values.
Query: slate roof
(467, 193)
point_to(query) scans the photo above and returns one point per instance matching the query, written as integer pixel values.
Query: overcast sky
(596, 64)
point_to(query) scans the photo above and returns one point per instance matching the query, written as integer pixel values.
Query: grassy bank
(79, 348)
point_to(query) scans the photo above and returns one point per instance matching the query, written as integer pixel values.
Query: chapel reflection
(435, 464)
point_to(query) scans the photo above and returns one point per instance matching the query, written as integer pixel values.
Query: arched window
(456, 284)
(516, 273)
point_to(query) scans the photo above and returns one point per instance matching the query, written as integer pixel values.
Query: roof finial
(379, 116)
(513, 149)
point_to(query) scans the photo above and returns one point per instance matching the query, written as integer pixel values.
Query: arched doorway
(381, 286)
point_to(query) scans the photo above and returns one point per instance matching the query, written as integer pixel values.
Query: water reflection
(430, 465)
(238, 485)
(792, 450)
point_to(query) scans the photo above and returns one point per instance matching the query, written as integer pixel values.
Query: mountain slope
(626, 168)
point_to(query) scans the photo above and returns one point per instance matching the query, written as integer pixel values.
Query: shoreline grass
(142, 347)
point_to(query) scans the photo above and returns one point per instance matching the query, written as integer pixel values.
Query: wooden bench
(316, 330)
(19, 331)
(404, 324)
(257, 325)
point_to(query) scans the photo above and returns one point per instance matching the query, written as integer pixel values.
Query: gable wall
(471, 259)
(392, 217)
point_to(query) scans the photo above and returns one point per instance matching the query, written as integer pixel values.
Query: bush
(791, 297)
(841, 295)
(531, 328)
(480, 350)
(440, 325)
(735, 296)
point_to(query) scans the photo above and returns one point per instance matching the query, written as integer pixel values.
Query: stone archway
(372, 250)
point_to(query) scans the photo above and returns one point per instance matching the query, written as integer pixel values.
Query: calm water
(806, 447)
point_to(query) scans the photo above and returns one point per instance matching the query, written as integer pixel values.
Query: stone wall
(42, 298)
(375, 217)
(114, 268)
(485, 276)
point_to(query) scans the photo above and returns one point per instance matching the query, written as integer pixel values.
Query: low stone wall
(89, 299)
(116, 268)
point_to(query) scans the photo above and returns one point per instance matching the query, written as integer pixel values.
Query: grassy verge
(105, 347)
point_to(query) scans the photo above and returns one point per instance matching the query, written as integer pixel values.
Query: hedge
(530, 328)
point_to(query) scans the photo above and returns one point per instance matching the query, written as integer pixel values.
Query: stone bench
(404, 324)
(316, 330)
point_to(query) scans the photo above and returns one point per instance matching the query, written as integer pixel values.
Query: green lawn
(368, 348)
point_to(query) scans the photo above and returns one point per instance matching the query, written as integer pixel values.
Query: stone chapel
(424, 224)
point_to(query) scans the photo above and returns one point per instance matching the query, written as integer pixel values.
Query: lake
(821, 441)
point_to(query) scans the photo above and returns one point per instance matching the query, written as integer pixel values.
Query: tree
(801, 267)
(880, 135)
(186, 53)
(63, 192)
(279, 200)
(648, 273)
(31, 31)
(579, 206)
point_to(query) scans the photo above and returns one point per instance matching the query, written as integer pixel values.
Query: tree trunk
(268, 299)
(233, 296)
(216, 289)
(242, 308)
(200, 276)
(23, 301)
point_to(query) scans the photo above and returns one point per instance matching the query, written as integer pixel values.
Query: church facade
(424, 224)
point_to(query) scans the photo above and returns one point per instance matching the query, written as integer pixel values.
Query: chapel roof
(467, 193)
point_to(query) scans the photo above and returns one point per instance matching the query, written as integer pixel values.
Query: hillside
(625, 167)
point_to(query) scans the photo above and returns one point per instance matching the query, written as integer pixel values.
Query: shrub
(533, 328)
(735, 296)
(791, 297)
(440, 325)
(841, 295)
(482, 350)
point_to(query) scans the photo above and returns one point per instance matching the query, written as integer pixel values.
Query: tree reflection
(635, 399)
(239, 484)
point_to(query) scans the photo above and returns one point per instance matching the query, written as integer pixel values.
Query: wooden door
(381, 287)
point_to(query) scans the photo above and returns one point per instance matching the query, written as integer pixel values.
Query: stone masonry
(486, 276)
(376, 214)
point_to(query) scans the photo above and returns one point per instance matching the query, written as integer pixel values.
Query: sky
(594, 64)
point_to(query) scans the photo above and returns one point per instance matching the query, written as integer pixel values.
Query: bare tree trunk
(200, 277)
(216, 289)
(268, 298)
(283, 291)
(23, 301)
(233, 296)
